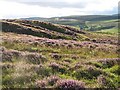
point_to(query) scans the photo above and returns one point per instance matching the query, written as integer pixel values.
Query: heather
(39, 54)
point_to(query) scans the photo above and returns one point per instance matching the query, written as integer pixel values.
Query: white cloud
(15, 9)
(102, 5)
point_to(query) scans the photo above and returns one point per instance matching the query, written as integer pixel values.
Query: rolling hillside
(39, 54)
(85, 22)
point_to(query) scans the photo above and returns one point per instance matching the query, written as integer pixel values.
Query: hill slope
(46, 55)
(81, 22)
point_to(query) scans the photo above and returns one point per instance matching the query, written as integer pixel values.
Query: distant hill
(34, 18)
(78, 17)
(92, 17)
(81, 21)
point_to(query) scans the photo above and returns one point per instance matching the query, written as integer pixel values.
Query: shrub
(107, 63)
(70, 84)
(101, 80)
(6, 56)
(41, 84)
(56, 56)
(54, 65)
(87, 73)
(16, 53)
(57, 67)
(35, 58)
(44, 71)
(53, 79)
(105, 82)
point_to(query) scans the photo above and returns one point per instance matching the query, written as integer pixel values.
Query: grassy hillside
(109, 31)
(79, 17)
(103, 26)
(39, 54)
(92, 17)
(81, 22)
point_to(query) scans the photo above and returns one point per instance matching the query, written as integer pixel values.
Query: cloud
(71, 3)
(57, 4)
(52, 8)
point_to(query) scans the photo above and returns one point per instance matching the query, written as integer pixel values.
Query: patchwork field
(38, 54)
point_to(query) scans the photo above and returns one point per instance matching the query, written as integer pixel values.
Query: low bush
(53, 79)
(87, 73)
(40, 84)
(105, 82)
(69, 84)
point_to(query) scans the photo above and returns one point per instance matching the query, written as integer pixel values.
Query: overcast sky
(53, 8)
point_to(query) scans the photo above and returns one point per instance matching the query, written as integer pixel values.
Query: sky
(56, 8)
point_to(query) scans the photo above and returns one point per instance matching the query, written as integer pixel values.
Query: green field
(112, 31)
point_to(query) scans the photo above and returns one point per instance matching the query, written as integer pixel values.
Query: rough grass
(35, 62)
(65, 58)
